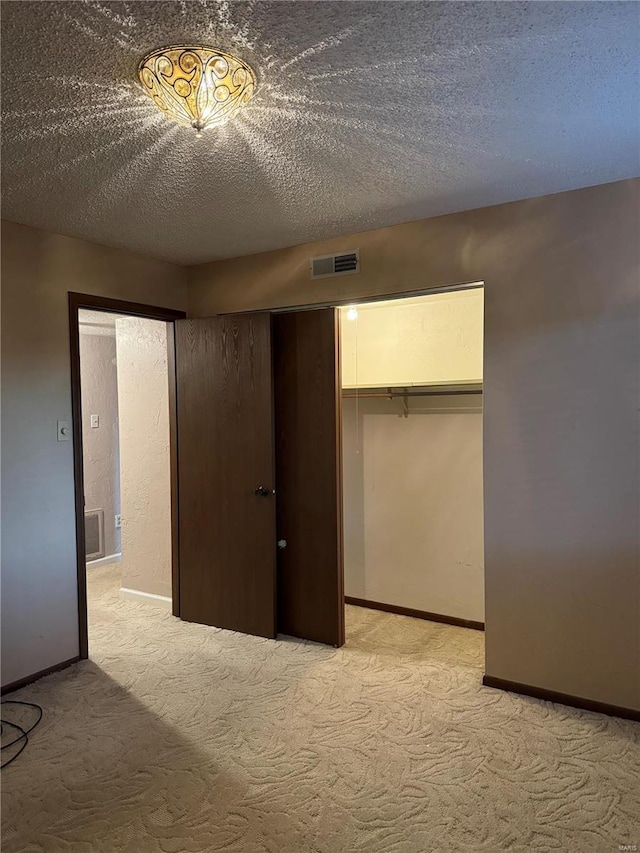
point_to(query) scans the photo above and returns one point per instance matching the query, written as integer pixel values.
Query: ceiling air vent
(329, 265)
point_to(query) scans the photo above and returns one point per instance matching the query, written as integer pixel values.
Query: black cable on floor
(24, 733)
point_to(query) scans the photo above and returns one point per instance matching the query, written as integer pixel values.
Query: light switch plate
(64, 431)
(95, 421)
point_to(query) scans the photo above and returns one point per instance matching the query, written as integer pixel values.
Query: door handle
(263, 492)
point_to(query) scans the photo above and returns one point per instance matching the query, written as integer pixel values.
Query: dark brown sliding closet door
(308, 475)
(226, 472)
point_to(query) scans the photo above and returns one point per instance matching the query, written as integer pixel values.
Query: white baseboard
(104, 561)
(161, 601)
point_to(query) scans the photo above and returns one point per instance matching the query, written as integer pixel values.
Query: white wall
(421, 340)
(413, 511)
(39, 583)
(413, 503)
(99, 384)
(143, 404)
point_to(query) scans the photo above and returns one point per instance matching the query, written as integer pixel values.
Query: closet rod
(389, 394)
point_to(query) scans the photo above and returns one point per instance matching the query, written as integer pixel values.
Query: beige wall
(145, 479)
(561, 375)
(39, 587)
(99, 384)
(422, 341)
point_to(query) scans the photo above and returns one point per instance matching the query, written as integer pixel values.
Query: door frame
(133, 309)
(344, 302)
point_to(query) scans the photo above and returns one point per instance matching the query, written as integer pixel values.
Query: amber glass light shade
(198, 87)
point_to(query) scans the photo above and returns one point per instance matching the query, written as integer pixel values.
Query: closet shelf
(404, 391)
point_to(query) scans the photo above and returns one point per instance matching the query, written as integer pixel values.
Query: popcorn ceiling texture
(367, 114)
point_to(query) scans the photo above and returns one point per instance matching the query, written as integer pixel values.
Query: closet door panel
(309, 475)
(225, 455)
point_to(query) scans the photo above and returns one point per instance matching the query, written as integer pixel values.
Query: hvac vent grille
(330, 265)
(94, 534)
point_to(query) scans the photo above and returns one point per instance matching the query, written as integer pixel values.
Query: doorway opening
(123, 388)
(412, 384)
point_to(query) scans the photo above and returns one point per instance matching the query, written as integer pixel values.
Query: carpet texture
(181, 738)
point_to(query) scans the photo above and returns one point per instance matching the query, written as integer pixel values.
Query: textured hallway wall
(561, 378)
(39, 583)
(143, 405)
(99, 383)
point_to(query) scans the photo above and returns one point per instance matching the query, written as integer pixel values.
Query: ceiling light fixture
(198, 87)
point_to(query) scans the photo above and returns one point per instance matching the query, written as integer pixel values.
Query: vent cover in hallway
(94, 534)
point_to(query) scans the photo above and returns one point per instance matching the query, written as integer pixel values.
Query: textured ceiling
(367, 114)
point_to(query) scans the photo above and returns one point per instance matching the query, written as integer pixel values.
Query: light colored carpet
(180, 738)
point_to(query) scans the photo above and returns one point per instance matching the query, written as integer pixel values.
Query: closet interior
(412, 455)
